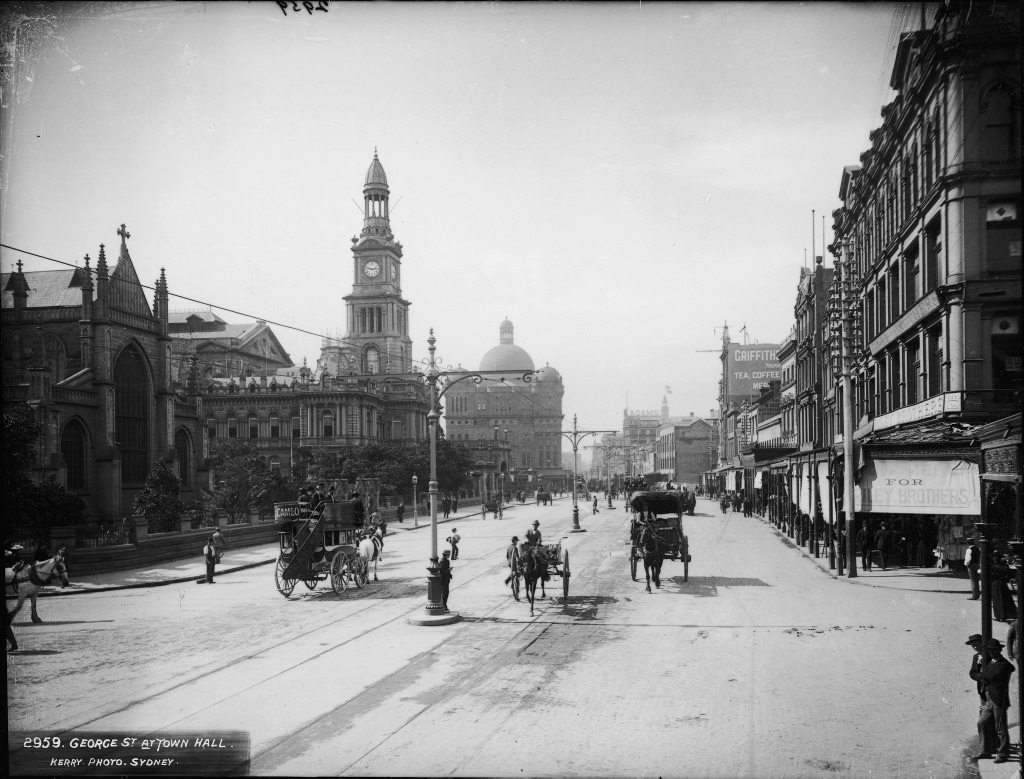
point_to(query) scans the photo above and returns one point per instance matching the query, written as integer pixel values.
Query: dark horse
(654, 554)
(533, 564)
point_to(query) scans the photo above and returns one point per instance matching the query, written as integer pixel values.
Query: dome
(375, 176)
(547, 373)
(506, 356)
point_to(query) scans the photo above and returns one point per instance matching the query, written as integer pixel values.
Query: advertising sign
(919, 487)
(748, 367)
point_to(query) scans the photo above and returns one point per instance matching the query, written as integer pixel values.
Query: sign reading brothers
(919, 487)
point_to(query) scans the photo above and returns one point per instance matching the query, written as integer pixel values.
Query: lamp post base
(576, 521)
(435, 612)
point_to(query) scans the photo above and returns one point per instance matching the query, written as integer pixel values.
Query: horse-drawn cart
(316, 545)
(538, 564)
(661, 511)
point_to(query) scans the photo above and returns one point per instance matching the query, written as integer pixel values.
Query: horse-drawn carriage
(318, 544)
(538, 564)
(656, 533)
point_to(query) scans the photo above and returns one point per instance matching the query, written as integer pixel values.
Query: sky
(620, 180)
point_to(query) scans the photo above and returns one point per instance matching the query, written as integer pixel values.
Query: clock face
(371, 269)
(394, 273)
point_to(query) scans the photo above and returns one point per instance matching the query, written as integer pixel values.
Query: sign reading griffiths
(748, 368)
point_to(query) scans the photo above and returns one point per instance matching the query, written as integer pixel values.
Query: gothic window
(133, 403)
(372, 360)
(72, 448)
(183, 448)
(56, 357)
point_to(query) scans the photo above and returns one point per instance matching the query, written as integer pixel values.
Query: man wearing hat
(988, 734)
(512, 558)
(533, 537)
(995, 676)
(444, 566)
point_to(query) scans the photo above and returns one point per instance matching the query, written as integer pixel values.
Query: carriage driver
(533, 537)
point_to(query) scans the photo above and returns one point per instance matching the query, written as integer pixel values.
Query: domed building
(513, 427)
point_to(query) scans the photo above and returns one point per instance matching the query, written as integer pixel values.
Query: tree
(241, 478)
(34, 507)
(158, 499)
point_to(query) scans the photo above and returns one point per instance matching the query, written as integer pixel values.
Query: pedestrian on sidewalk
(864, 545)
(445, 568)
(454, 539)
(219, 544)
(972, 562)
(995, 675)
(446, 506)
(210, 557)
(400, 511)
(882, 545)
(455, 504)
(595, 505)
(988, 733)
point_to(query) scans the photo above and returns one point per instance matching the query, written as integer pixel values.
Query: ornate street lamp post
(415, 504)
(574, 437)
(435, 611)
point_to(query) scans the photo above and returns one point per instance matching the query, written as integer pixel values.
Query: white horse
(370, 549)
(28, 581)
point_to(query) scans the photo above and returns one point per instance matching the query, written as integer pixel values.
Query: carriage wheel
(359, 569)
(338, 573)
(515, 586)
(311, 582)
(284, 584)
(565, 574)
(686, 559)
(632, 563)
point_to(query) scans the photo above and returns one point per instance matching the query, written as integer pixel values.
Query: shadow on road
(707, 586)
(48, 624)
(585, 606)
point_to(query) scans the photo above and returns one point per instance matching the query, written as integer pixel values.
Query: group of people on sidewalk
(992, 673)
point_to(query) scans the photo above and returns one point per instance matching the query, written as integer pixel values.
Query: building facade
(87, 352)
(518, 423)
(929, 240)
(361, 390)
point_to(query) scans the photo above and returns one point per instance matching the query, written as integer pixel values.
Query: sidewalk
(194, 568)
(941, 580)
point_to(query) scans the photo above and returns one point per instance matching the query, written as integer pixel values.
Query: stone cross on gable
(123, 232)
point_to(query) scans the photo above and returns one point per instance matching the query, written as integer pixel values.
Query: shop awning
(925, 486)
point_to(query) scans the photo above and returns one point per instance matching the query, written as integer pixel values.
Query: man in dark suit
(988, 734)
(995, 676)
(444, 567)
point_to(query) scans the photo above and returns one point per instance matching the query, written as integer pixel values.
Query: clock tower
(376, 315)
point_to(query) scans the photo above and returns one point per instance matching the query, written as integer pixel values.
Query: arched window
(183, 448)
(254, 426)
(132, 410)
(72, 449)
(232, 427)
(372, 360)
(211, 426)
(275, 426)
(328, 424)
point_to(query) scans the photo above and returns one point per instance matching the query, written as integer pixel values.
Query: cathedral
(513, 428)
(85, 350)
